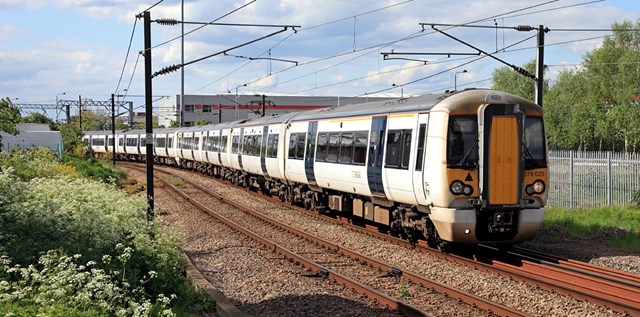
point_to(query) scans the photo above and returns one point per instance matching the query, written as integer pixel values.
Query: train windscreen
(534, 145)
(462, 142)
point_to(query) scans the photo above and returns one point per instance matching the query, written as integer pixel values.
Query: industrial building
(231, 107)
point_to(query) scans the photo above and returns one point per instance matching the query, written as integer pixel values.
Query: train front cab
(496, 174)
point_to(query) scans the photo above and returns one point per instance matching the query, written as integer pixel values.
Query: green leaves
(595, 106)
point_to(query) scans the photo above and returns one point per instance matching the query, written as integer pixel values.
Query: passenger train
(465, 167)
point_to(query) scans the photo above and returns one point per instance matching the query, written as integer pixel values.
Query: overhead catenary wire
(126, 58)
(376, 47)
(415, 35)
(204, 25)
(306, 29)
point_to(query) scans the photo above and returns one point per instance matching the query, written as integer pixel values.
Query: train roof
(101, 132)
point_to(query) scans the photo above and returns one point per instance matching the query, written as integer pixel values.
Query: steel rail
(381, 298)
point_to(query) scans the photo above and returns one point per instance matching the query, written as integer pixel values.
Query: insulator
(167, 21)
(525, 28)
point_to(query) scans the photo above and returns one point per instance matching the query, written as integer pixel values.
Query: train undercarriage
(397, 219)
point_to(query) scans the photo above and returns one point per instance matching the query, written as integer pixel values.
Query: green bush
(89, 218)
(95, 169)
(34, 162)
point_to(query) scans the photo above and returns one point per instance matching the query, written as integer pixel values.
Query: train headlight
(537, 187)
(457, 187)
(467, 191)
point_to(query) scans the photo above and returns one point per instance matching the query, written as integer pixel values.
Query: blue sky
(78, 46)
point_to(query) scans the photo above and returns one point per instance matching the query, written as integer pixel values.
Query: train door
(376, 153)
(240, 144)
(263, 150)
(501, 171)
(309, 157)
(206, 141)
(421, 148)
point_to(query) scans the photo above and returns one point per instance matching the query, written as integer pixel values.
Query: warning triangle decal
(469, 178)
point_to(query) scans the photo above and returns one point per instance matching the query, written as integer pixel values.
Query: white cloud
(88, 59)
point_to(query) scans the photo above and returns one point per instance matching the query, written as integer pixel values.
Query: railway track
(617, 290)
(382, 281)
(613, 289)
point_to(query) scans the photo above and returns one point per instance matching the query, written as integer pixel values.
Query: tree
(202, 122)
(37, 117)
(613, 75)
(9, 117)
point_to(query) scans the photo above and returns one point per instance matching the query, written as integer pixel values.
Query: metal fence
(592, 179)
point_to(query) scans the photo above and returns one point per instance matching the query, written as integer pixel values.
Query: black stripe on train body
(465, 167)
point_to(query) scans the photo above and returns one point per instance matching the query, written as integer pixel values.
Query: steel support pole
(540, 66)
(148, 113)
(113, 130)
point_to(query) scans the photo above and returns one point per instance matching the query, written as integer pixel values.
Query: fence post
(571, 179)
(609, 177)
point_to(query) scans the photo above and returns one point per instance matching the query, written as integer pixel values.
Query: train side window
(272, 145)
(296, 145)
(302, 138)
(398, 149)
(132, 142)
(256, 143)
(160, 142)
(170, 143)
(246, 146)
(110, 141)
(235, 144)
(196, 143)
(214, 143)
(321, 151)
(346, 148)
(394, 139)
(223, 143)
(334, 147)
(360, 148)
(251, 144)
(293, 140)
(420, 147)
(406, 148)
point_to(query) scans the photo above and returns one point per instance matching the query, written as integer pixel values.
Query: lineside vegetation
(615, 225)
(77, 246)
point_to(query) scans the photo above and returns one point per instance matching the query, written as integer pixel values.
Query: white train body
(466, 167)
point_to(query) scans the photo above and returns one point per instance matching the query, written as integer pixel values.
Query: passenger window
(333, 148)
(235, 144)
(346, 148)
(296, 145)
(360, 148)
(321, 151)
(272, 145)
(223, 143)
(420, 151)
(406, 148)
(398, 149)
